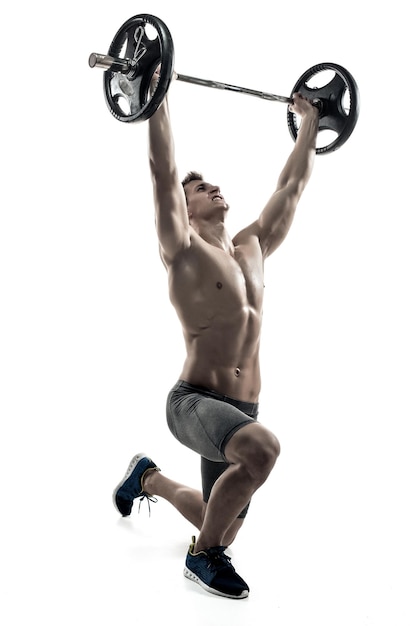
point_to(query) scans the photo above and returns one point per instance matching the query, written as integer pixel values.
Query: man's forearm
(161, 142)
(300, 162)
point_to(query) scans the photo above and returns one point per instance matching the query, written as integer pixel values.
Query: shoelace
(146, 496)
(218, 558)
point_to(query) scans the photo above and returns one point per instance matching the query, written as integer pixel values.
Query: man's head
(203, 199)
(189, 178)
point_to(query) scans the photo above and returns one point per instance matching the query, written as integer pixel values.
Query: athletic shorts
(204, 421)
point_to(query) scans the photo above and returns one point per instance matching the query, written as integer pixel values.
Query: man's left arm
(275, 220)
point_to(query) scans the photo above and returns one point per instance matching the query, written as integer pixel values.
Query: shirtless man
(216, 285)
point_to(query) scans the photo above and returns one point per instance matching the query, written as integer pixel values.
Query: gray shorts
(204, 421)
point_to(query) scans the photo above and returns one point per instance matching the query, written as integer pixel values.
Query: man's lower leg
(229, 496)
(188, 501)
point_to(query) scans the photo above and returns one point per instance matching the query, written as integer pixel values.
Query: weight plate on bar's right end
(339, 104)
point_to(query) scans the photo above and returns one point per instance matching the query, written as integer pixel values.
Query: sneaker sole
(132, 465)
(191, 576)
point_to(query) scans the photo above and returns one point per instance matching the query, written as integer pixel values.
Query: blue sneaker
(131, 486)
(213, 570)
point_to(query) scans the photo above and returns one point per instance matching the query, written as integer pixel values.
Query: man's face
(204, 199)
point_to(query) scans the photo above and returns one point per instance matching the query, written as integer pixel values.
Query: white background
(90, 344)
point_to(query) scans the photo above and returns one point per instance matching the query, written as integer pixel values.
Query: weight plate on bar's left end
(339, 104)
(146, 41)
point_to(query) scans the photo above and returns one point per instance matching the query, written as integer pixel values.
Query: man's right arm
(171, 215)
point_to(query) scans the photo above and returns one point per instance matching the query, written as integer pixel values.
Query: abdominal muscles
(223, 353)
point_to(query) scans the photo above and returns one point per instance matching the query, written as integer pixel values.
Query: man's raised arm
(276, 218)
(171, 215)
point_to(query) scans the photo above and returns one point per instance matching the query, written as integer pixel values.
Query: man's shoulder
(248, 235)
(186, 253)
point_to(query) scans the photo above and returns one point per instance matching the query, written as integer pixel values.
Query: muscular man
(216, 285)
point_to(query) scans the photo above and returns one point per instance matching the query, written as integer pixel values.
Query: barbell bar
(133, 58)
(126, 66)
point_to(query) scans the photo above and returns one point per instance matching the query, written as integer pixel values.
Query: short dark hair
(191, 176)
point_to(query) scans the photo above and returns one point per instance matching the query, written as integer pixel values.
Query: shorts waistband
(250, 408)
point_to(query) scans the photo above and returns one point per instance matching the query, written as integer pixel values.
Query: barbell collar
(106, 62)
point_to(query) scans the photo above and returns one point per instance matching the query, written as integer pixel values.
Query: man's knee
(264, 454)
(256, 448)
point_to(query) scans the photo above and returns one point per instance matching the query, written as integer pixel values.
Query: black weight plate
(339, 104)
(128, 95)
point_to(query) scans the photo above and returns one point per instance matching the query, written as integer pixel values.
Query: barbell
(144, 43)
